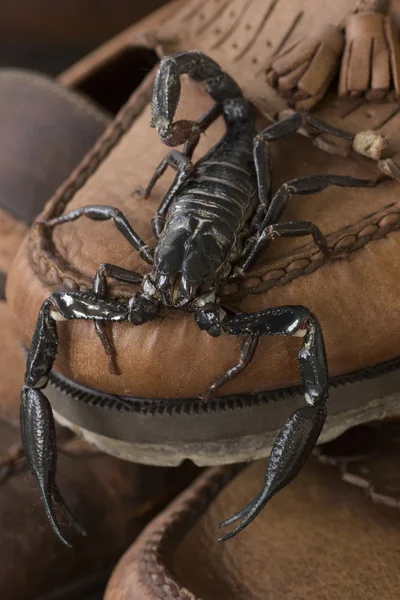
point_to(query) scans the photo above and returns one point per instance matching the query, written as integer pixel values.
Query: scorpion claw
(67, 513)
(239, 515)
(289, 452)
(39, 443)
(47, 497)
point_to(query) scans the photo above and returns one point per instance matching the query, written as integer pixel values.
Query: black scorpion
(213, 223)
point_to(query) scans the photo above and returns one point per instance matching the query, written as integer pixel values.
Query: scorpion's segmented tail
(167, 89)
(37, 422)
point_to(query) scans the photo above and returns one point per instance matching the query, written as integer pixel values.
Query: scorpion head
(176, 291)
(187, 264)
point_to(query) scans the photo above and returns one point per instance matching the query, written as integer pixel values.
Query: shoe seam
(160, 542)
(52, 269)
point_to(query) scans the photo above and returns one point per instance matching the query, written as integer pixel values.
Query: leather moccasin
(150, 412)
(46, 131)
(321, 539)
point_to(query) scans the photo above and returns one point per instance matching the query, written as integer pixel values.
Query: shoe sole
(226, 430)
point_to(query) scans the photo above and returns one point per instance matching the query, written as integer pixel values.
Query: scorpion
(215, 220)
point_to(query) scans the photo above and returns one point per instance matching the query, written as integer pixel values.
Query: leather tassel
(370, 65)
(303, 73)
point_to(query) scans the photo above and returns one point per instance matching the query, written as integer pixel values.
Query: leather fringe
(369, 49)
(303, 73)
(371, 60)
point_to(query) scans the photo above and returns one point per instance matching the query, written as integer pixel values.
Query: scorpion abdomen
(210, 210)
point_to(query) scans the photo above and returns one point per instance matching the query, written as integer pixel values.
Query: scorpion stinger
(215, 220)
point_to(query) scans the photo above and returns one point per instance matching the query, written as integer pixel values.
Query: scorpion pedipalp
(300, 433)
(39, 442)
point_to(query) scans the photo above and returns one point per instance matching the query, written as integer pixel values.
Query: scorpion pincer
(213, 223)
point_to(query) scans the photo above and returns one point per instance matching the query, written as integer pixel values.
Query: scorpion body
(213, 223)
(201, 237)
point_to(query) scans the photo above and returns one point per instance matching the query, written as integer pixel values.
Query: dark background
(50, 35)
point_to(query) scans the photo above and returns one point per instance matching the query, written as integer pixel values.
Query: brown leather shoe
(153, 414)
(46, 130)
(320, 539)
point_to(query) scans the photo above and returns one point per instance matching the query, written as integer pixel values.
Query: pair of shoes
(321, 538)
(46, 131)
(150, 413)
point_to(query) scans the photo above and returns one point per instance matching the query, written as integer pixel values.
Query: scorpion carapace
(216, 218)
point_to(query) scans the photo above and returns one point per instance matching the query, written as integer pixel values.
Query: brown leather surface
(246, 37)
(319, 539)
(12, 231)
(303, 72)
(364, 47)
(370, 61)
(12, 366)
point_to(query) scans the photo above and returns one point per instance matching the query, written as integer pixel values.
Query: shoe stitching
(42, 255)
(52, 269)
(160, 543)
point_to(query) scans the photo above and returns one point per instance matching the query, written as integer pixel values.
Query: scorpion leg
(301, 431)
(181, 162)
(208, 318)
(203, 123)
(311, 184)
(263, 166)
(37, 422)
(247, 350)
(100, 288)
(291, 124)
(262, 161)
(107, 213)
(285, 229)
(301, 186)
